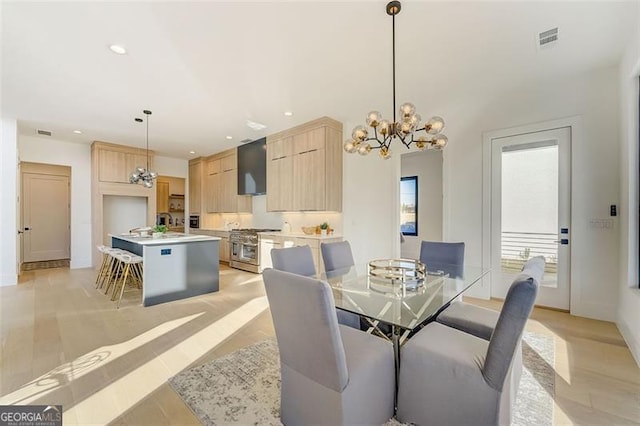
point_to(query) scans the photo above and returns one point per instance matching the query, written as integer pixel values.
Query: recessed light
(77, 132)
(229, 137)
(117, 49)
(192, 152)
(288, 113)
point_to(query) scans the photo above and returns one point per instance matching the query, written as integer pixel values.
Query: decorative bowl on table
(309, 230)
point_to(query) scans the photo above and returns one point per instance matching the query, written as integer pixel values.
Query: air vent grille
(548, 38)
(43, 132)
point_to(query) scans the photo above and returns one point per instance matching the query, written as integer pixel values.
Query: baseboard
(8, 279)
(630, 339)
(595, 311)
(80, 263)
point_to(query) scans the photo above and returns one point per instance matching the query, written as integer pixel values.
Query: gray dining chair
(338, 257)
(451, 377)
(481, 321)
(299, 260)
(331, 374)
(443, 256)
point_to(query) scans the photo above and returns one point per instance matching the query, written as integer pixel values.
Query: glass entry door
(530, 211)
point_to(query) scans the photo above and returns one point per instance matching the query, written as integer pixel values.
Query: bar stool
(130, 267)
(103, 266)
(113, 270)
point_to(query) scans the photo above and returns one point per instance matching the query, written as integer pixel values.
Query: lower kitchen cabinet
(225, 248)
(271, 241)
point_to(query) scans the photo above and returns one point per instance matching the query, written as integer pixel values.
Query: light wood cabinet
(212, 194)
(304, 168)
(195, 187)
(279, 174)
(269, 242)
(221, 187)
(115, 164)
(162, 197)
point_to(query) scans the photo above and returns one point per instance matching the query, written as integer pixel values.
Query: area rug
(47, 264)
(243, 388)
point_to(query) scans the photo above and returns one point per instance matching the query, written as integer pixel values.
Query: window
(409, 205)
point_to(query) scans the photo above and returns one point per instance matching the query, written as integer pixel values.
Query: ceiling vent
(43, 132)
(255, 126)
(548, 38)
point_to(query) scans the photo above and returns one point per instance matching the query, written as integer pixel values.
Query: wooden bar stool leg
(124, 284)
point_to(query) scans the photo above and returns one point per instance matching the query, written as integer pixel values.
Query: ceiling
(204, 68)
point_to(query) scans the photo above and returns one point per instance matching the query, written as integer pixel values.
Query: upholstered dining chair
(451, 377)
(338, 257)
(481, 322)
(299, 260)
(331, 374)
(443, 256)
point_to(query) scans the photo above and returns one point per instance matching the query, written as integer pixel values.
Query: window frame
(417, 196)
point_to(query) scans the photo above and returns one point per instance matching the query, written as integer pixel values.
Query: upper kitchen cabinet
(195, 186)
(116, 162)
(221, 185)
(304, 167)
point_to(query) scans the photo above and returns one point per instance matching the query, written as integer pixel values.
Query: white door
(530, 211)
(45, 218)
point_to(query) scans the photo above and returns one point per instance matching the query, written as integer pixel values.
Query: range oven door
(249, 253)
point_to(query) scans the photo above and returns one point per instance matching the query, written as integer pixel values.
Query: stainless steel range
(245, 248)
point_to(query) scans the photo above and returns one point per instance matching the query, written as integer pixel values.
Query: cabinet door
(228, 191)
(224, 249)
(309, 187)
(162, 197)
(112, 166)
(280, 148)
(195, 186)
(229, 163)
(213, 167)
(280, 184)
(212, 197)
(309, 141)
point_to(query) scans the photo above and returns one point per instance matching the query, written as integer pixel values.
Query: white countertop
(300, 235)
(167, 238)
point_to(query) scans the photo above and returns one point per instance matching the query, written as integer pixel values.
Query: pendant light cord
(393, 31)
(147, 143)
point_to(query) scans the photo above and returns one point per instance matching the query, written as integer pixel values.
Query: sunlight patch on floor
(119, 396)
(257, 278)
(85, 364)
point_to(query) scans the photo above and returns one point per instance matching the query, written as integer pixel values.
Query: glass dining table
(403, 306)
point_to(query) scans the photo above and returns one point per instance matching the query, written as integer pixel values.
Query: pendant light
(142, 174)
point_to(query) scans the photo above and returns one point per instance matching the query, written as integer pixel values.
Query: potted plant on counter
(324, 228)
(159, 230)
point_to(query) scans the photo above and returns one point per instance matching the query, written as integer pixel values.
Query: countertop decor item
(142, 174)
(309, 230)
(383, 132)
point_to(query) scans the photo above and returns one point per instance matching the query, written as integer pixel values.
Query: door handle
(26, 228)
(20, 232)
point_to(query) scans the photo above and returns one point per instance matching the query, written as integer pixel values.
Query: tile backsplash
(273, 220)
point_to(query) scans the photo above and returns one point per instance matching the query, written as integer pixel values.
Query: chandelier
(383, 132)
(141, 174)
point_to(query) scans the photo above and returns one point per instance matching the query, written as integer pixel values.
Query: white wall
(8, 198)
(77, 156)
(427, 166)
(371, 186)
(593, 96)
(122, 213)
(370, 202)
(628, 319)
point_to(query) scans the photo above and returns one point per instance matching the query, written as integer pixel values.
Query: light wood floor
(63, 342)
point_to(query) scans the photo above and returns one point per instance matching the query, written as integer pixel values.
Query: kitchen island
(176, 266)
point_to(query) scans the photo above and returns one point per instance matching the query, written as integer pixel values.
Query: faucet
(163, 214)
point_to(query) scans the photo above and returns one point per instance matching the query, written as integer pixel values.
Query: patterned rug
(243, 387)
(46, 264)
